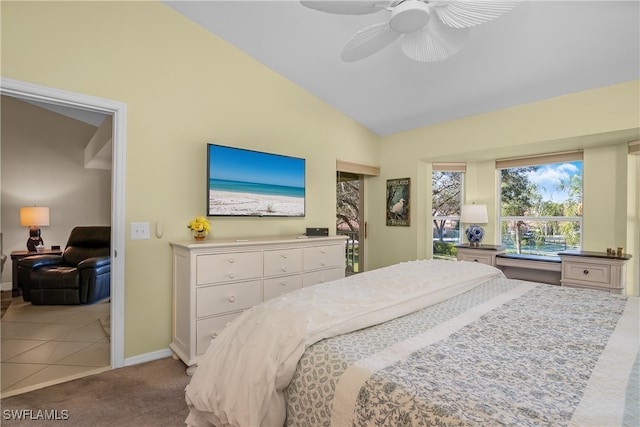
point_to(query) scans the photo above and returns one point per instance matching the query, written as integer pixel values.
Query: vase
(474, 234)
(199, 235)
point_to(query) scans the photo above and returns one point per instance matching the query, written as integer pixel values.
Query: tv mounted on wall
(243, 182)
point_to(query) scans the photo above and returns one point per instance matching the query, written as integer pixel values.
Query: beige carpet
(145, 395)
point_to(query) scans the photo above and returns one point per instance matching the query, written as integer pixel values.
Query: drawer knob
(475, 260)
(232, 298)
(284, 283)
(284, 255)
(585, 271)
(232, 275)
(323, 251)
(284, 268)
(231, 260)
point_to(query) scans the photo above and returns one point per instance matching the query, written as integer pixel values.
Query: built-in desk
(577, 269)
(535, 268)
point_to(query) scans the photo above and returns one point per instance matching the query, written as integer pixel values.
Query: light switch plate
(140, 231)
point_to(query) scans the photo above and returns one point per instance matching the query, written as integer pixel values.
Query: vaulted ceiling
(538, 50)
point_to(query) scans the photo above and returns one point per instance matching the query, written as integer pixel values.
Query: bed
(424, 343)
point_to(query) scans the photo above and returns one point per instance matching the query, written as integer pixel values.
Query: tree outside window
(541, 208)
(446, 204)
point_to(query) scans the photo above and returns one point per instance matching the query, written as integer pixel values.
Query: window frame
(451, 168)
(541, 160)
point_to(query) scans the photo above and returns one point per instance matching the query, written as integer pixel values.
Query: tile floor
(45, 345)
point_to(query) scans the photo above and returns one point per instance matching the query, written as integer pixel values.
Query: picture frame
(398, 208)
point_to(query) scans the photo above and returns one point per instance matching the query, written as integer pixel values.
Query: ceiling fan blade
(368, 41)
(355, 7)
(469, 13)
(436, 42)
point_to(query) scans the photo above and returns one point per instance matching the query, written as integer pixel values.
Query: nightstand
(485, 254)
(595, 270)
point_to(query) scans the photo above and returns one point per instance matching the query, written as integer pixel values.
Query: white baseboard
(6, 286)
(148, 357)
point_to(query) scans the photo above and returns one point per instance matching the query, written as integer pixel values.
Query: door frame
(118, 110)
(362, 230)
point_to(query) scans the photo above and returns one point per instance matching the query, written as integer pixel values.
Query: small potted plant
(200, 227)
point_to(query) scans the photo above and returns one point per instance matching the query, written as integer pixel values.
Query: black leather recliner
(81, 275)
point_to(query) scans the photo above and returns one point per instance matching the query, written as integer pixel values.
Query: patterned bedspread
(505, 353)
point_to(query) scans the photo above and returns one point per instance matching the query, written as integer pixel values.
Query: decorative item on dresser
(595, 270)
(200, 227)
(215, 281)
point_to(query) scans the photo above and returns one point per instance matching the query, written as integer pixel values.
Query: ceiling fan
(430, 31)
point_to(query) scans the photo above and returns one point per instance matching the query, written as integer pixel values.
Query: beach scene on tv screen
(252, 183)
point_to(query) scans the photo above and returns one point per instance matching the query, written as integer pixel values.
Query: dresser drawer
(322, 276)
(316, 257)
(206, 329)
(482, 259)
(211, 300)
(280, 285)
(587, 272)
(218, 268)
(282, 261)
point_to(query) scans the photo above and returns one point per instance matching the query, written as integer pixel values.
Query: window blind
(357, 168)
(517, 162)
(449, 167)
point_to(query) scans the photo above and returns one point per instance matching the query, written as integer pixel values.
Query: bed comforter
(461, 346)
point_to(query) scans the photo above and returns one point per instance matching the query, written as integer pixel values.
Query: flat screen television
(243, 182)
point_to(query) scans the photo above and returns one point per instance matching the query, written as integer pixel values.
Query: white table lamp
(474, 215)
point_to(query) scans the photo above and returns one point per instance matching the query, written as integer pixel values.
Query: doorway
(350, 218)
(56, 97)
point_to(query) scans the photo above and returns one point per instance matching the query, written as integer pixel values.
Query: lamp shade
(34, 215)
(474, 214)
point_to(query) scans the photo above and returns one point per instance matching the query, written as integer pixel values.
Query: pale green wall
(183, 87)
(605, 198)
(599, 121)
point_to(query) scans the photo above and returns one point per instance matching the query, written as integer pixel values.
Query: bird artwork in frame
(398, 206)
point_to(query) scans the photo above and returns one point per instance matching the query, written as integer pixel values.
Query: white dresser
(216, 280)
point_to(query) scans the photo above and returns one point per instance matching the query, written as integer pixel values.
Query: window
(541, 204)
(447, 184)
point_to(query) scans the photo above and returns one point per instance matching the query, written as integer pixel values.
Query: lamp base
(34, 239)
(34, 243)
(474, 235)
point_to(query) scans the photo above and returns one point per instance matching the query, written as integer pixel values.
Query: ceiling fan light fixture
(409, 16)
